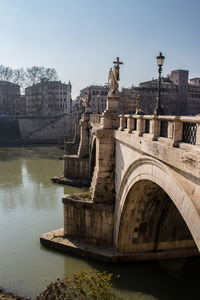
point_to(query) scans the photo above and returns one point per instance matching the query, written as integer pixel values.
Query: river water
(30, 205)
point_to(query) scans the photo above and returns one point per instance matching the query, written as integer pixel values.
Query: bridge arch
(149, 194)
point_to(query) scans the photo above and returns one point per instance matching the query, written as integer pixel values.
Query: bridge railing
(173, 130)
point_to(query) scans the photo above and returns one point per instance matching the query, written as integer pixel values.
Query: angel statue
(113, 79)
(138, 110)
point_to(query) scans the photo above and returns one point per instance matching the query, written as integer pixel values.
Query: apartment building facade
(193, 103)
(9, 98)
(48, 98)
(178, 95)
(97, 97)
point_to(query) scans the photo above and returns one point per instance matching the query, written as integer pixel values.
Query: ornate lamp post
(160, 60)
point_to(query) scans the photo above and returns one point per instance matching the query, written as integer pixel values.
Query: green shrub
(92, 285)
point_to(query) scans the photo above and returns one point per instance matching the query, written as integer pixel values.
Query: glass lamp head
(160, 59)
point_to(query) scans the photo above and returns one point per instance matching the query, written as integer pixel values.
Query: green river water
(30, 205)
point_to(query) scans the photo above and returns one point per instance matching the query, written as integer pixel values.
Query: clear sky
(81, 38)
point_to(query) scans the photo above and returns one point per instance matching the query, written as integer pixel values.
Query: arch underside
(154, 214)
(151, 222)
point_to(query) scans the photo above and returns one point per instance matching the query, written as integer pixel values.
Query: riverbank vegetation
(92, 285)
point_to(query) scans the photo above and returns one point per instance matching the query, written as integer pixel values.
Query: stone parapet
(172, 130)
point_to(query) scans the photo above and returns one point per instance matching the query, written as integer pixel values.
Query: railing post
(130, 124)
(122, 122)
(198, 135)
(154, 128)
(140, 126)
(175, 132)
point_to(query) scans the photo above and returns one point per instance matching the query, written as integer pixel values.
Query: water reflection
(29, 205)
(30, 152)
(28, 184)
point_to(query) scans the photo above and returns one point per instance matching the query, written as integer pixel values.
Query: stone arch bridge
(144, 200)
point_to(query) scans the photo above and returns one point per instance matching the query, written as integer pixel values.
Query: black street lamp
(159, 110)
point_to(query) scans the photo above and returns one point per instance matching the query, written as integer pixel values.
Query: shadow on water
(165, 280)
(161, 280)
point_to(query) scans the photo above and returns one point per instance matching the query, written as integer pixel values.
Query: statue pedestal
(110, 117)
(87, 109)
(113, 105)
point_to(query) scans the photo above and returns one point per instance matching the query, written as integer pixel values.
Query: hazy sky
(81, 38)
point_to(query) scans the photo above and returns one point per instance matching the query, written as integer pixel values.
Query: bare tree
(18, 76)
(5, 73)
(35, 74)
(27, 77)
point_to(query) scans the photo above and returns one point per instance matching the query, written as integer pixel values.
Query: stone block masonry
(94, 222)
(18, 130)
(45, 128)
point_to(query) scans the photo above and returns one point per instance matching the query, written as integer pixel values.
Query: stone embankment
(19, 130)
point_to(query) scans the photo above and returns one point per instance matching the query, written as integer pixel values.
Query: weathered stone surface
(45, 128)
(145, 189)
(94, 221)
(76, 167)
(56, 239)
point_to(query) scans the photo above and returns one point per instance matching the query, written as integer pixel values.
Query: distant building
(128, 100)
(48, 98)
(195, 81)
(9, 98)
(22, 105)
(169, 96)
(193, 102)
(180, 78)
(178, 96)
(148, 91)
(98, 97)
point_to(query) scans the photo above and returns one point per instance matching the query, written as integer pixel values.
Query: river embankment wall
(15, 130)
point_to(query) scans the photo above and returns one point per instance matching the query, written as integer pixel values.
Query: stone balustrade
(173, 130)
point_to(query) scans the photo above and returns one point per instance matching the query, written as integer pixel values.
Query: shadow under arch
(153, 211)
